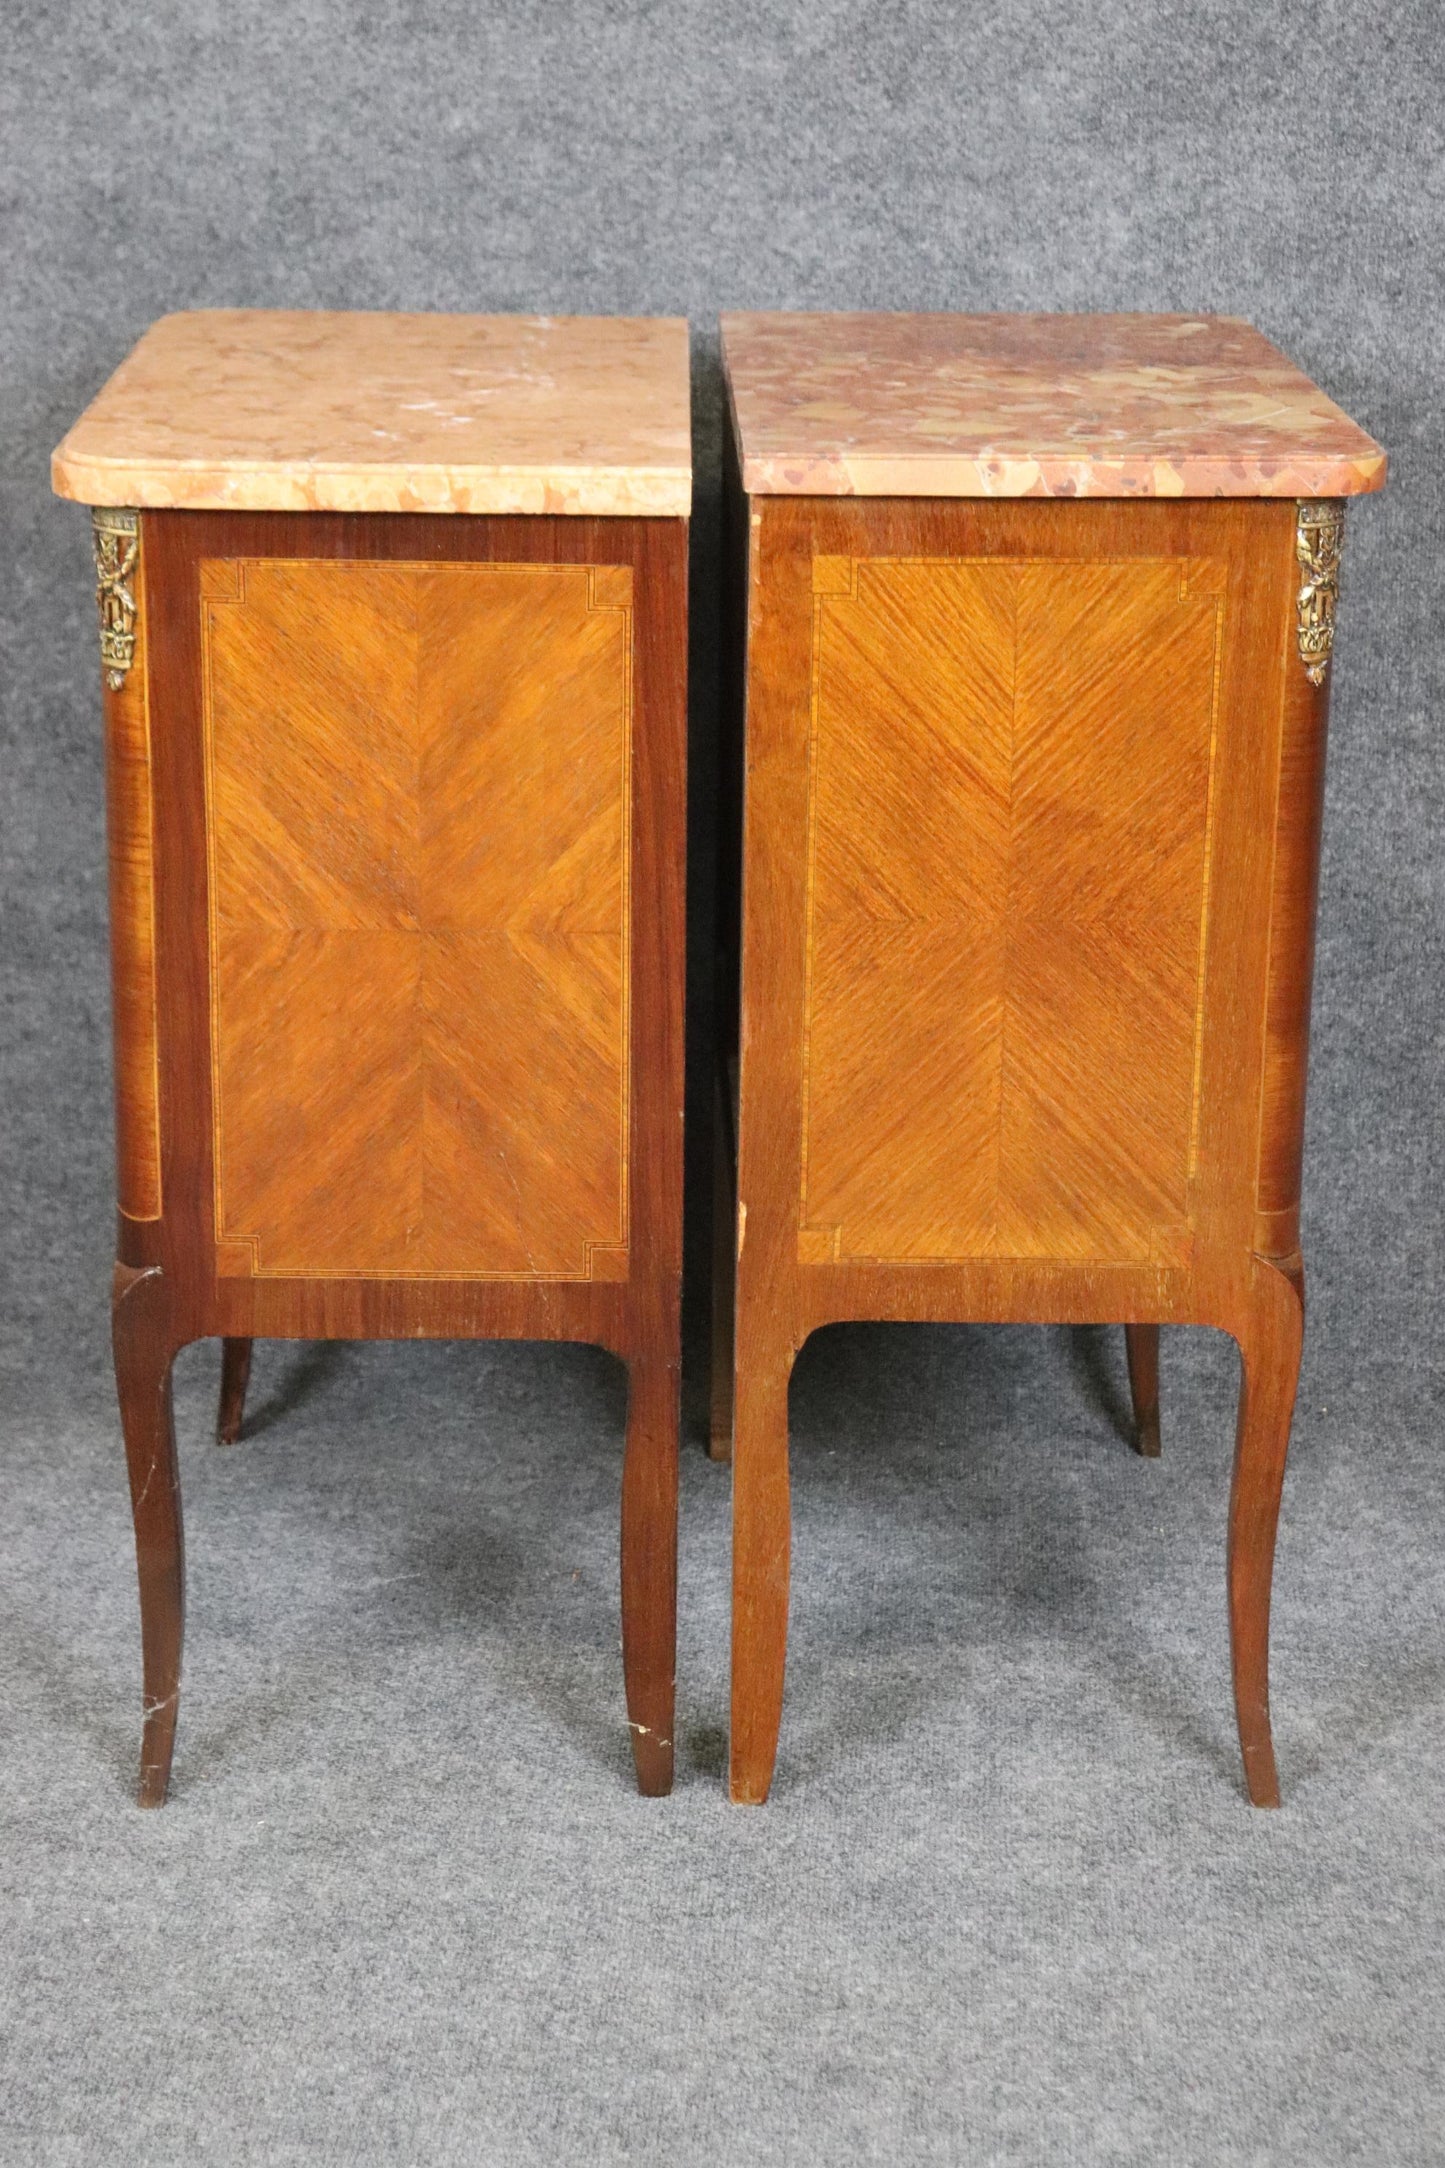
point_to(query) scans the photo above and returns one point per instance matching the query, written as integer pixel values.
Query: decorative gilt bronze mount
(1319, 538)
(116, 536)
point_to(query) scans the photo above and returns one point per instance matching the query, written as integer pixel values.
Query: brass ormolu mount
(1319, 538)
(115, 533)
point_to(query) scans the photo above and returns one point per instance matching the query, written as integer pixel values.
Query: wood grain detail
(417, 793)
(1299, 820)
(131, 826)
(1010, 786)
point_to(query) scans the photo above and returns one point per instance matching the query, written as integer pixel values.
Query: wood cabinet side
(1304, 722)
(130, 815)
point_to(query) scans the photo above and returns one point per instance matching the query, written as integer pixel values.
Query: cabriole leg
(1270, 1346)
(235, 1376)
(649, 1567)
(1142, 1345)
(761, 1541)
(144, 1352)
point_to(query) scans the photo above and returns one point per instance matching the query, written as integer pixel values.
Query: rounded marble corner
(1048, 405)
(354, 411)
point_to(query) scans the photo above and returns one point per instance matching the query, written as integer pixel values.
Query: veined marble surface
(310, 411)
(1033, 406)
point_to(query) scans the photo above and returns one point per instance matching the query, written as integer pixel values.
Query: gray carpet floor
(1008, 1902)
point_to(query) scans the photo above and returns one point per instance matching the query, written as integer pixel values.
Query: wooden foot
(1270, 1346)
(144, 1351)
(1142, 1344)
(235, 1376)
(724, 1276)
(761, 1541)
(649, 1568)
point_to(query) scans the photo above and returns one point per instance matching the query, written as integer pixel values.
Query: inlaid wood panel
(417, 785)
(1008, 885)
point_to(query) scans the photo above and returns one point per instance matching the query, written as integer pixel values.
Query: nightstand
(393, 636)
(1037, 616)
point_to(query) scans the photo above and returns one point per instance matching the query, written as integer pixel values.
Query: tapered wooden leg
(144, 1351)
(1142, 1344)
(761, 1542)
(649, 1567)
(724, 1276)
(1270, 1347)
(235, 1376)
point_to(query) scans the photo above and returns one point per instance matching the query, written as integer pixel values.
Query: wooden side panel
(131, 826)
(1010, 790)
(417, 782)
(1299, 819)
(909, 825)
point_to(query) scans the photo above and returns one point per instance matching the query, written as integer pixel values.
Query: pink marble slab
(1033, 406)
(311, 411)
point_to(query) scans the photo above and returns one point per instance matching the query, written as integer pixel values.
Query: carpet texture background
(1008, 1903)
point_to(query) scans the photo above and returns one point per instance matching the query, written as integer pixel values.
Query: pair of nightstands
(1031, 633)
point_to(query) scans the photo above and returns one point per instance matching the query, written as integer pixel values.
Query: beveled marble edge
(1047, 471)
(651, 492)
(375, 411)
(931, 475)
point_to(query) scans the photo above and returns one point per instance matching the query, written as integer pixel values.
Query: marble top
(1033, 406)
(307, 411)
